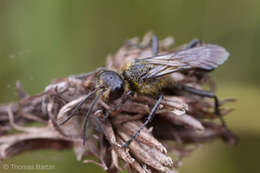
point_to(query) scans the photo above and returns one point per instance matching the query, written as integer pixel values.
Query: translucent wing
(207, 57)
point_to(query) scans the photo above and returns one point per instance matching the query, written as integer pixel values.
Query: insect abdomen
(152, 87)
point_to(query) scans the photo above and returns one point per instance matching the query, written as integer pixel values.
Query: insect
(150, 76)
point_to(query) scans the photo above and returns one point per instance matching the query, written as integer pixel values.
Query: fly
(151, 76)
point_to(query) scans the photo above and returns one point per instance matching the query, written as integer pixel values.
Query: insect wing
(207, 57)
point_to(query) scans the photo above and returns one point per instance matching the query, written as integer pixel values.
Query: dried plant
(181, 124)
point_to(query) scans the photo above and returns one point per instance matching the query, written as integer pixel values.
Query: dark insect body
(151, 76)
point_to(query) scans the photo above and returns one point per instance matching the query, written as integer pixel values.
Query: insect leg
(92, 106)
(192, 44)
(208, 94)
(77, 107)
(149, 119)
(124, 99)
(233, 139)
(155, 45)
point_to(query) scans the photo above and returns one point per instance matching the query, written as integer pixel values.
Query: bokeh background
(42, 40)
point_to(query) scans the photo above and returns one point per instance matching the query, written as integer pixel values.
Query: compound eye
(114, 82)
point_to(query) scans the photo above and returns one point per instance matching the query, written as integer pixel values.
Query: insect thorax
(134, 74)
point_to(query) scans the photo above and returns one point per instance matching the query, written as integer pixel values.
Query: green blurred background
(41, 40)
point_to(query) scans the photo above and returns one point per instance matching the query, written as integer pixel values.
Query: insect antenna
(77, 107)
(92, 106)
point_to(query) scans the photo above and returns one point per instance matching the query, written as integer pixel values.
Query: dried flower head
(181, 122)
